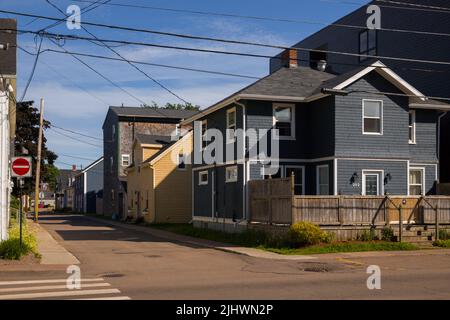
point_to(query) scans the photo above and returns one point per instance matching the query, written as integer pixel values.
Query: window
(416, 181)
(371, 183)
(367, 44)
(412, 127)
(203, 178)
(323, 180)
(204, 129)
(298, 179)
(372, 117)
(125, 160)
(181, 162)
(231, 174)
(231, 123)
(284, 120)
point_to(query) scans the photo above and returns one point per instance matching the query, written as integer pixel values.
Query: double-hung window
(372, 117)
(231, 124)
(412, 127)
(125, 160)
(416, 181)
(284, 120)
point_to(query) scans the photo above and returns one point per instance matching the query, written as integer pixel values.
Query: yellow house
(159, 180)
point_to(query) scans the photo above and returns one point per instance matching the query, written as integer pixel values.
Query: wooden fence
(273, 202)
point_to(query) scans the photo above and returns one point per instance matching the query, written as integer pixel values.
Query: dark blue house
(365, 132)
(413, 41)
(88, 183)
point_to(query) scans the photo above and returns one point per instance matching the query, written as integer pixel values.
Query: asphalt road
(143, 266)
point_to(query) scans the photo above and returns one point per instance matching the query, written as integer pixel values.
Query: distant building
(64, 189)
(120, 128)
(86, 186)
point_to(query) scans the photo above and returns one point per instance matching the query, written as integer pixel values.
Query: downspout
(244, 163)
(439, 143)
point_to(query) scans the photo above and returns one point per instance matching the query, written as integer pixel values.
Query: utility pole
(38, 164)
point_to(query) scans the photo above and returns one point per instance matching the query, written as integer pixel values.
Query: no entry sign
(21, 167)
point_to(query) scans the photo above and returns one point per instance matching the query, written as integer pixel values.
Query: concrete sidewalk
(52, 253)
(251, 252)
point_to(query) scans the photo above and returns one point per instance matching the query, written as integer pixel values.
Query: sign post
(20, 169)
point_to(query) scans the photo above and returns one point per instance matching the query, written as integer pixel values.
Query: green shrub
(303, 234)
(367, 235)
(442, 243)
(11, 250)
(387, 234)
(444, 235)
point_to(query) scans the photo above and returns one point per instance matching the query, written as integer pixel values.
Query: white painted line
(106, 298)
(83, 286)
(12, 283)
(57, 294)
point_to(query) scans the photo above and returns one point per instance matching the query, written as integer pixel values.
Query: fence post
(386, 215)
(340, 220)
(270, 199)
(400, 223)
(436, 210)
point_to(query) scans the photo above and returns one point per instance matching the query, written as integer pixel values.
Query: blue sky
(77, 98)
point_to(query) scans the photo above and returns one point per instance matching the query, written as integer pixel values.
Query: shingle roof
(289, 82)
(153, 139)
(152, 112)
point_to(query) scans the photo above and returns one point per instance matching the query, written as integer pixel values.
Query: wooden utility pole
(38, 164)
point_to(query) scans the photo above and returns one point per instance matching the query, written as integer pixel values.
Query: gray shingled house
(366, 132)
(121, 126)
(424, 24)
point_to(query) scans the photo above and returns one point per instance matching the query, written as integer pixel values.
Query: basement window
(203, 178)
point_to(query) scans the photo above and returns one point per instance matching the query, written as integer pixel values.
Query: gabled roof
(93, 164)
(152, 112)
(305, 84)
(154, 158)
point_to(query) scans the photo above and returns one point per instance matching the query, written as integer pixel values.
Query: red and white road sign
(21, 167)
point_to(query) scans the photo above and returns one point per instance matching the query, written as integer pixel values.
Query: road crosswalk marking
(91, 289)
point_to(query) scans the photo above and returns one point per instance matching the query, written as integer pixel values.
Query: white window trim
(231, 126)
(381, 119)
(423, 178)
(285, 105)
(413, 114)
(303, 175)
(318, 178)
(380, 178)
(129, 159)
(200, 182)
(227, 180)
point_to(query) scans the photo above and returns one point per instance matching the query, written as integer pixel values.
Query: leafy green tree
(26, 143)
(173, 106)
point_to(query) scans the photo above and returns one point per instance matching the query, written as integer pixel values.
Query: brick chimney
(289, 58)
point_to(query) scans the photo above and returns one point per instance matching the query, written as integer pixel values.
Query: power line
(147, 44)
(415, 5)
(73, 138)
(75, 157)
(124, 59)
(30, 78)
(78, 133)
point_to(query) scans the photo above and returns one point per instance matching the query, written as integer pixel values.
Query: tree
(173, 106)
(26, 143)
